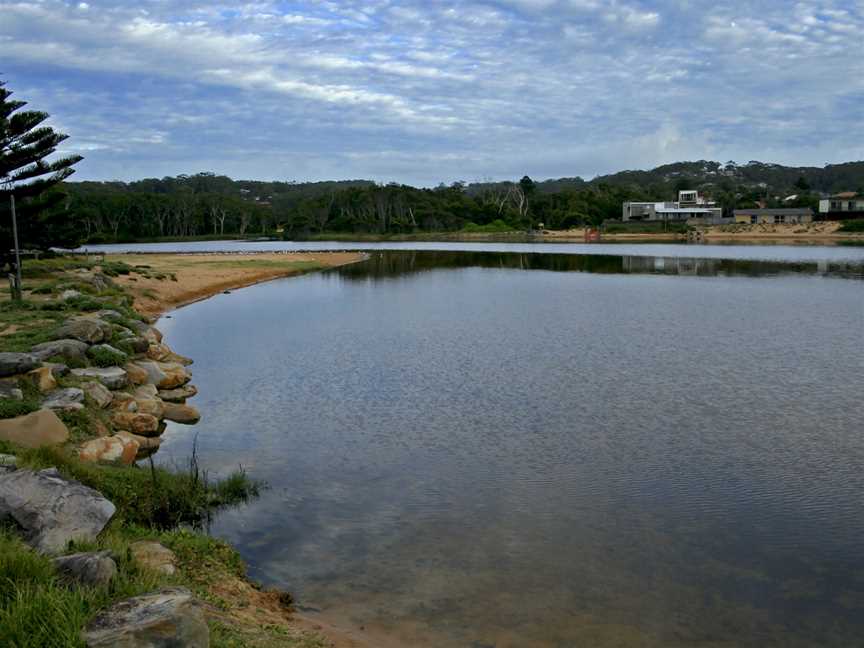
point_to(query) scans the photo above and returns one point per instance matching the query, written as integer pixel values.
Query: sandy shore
(823, 232)
(187, 278)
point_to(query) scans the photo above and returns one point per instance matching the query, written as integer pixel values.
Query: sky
(426, 91)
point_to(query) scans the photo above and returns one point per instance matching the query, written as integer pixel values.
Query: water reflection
(398, 264)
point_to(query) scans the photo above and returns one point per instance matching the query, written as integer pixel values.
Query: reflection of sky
(425, 92)
(515, 451)
(851, 253)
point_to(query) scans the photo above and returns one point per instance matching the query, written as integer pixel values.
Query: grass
(10, 408)
(102, 356)
(495, 227)
(852, 226)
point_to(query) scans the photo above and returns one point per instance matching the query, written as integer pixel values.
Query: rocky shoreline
(101, 391)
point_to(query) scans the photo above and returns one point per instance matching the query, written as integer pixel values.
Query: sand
(821, 232)
(191, 277)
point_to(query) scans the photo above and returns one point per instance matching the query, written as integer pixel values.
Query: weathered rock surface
(167, 618)
(185, 414)
(99, 393)
(43, 378)
(143, 424)
(151, 406)
(69, 294)
(159, 352)
(145, 391)
(17, 363)
(155, 556)
(58, 369)
(178, 395)
(112, 316)
(52, 510)
(68, 399)
(111, 377)
(137, 375)
(85, 329)
(90, 568)
(165, 375)
(34, 430)
(113, 449)
(124, 402)
(67, 348)
(146, 445)
(7, 460)
(116, 356)
(9, 389)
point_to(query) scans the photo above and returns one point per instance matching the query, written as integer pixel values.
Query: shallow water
(546, 450)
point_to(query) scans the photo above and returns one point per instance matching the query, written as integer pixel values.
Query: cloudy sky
(424, 91)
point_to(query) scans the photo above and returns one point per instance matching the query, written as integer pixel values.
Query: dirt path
(167, 281)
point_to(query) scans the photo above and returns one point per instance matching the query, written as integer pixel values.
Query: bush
(10, 408)
(496, 226)
(104, 356)
(853, 226)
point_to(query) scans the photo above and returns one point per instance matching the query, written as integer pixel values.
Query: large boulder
(178, 395)
(111, 377)
(34, 430)
(52, 510)
(43, 379)
(137, 375)
(106, 355)
(85, 329)
(66, 348)
(165, 375)
(166, 618)
(185, 414)
(111, 450)
(146, 445)
(99, 393)
(124, 402)
(17, 363)
(151, 406)
(68, 399)
(90, 568)
(113, 316)
(145, 391)
(142, 424)
(154, 556)
(10, 390)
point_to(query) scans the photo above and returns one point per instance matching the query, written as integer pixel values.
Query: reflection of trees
(398, 263)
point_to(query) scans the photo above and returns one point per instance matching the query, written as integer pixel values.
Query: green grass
(852, 226)
(10, 408)
(103, 357)
(495, 227)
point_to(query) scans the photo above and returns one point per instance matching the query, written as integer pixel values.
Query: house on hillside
(690, 207)
(786, 215)
(842, 206)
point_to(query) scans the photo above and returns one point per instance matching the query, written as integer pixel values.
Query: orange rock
(113, 449)
(143, 424)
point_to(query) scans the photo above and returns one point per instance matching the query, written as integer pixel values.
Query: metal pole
(17, 253)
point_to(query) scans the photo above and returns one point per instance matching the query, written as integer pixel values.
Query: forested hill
(206, 204)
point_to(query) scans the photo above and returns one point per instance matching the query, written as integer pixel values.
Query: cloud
(427, 92)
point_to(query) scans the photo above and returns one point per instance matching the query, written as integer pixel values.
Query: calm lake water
(502, 449)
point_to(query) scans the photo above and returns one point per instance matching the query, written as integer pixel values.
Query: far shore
(193, 277)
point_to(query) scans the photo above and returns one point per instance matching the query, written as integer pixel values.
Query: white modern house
(842, 205)
(690, 207)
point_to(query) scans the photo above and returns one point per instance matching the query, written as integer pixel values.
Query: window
(779, 218)
(753, 219)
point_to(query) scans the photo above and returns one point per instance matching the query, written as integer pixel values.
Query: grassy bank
(38, 608)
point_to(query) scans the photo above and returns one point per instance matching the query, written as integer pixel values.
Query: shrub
(495, 226)
(104, 356)
(853, 226)
(10, 408)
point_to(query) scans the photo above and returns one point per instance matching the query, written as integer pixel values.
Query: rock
(137, 375)
(58, 369)
(66, 348)
(138, 344)
(176, 375)
(155, 556)
(99, 428)
(185, 414)
(69, 294)
(98, 280)
(155, 375)
(167, 618)
(112, 316)
(124, 402)
(9, 389)
(178, 395)
(34, 430)
(98, 393)
(151, 406)
(143, 424)
(158, 352)
(43, 378)
(91, 568)
(111, 377)
(145, 391)
(112, 449)
(69, 399)
(52, 510)
(85, 329)
(146, 445)
(17, 363)
(7, 460)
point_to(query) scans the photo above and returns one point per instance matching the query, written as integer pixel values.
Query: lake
(635, 446)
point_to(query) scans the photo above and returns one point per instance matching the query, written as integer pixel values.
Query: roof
(845, 194)
(769, 212)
